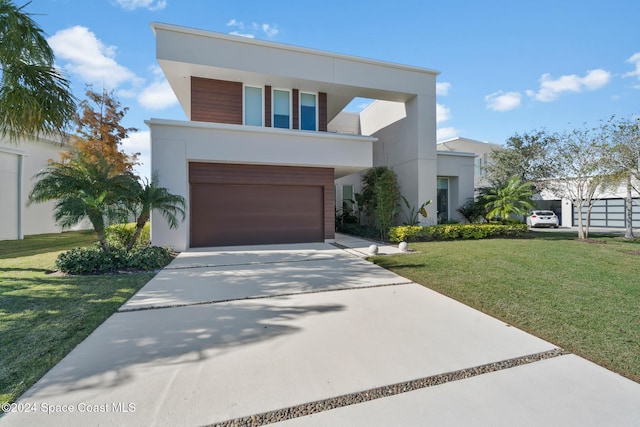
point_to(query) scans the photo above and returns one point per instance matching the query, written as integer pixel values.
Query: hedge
(93, 260)
(416, 233)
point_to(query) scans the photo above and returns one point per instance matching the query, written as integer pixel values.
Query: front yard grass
(581, 296)
(43, 316)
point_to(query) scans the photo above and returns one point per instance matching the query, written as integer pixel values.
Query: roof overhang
(184, 52)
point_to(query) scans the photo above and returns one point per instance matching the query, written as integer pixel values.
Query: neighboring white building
(19, 163)
(481, 150)
(267, 145)
(608, 210)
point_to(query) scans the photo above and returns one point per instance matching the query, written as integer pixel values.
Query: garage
(609, 213)
(254, 204)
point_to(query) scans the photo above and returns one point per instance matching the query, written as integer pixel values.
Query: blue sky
(506, 67)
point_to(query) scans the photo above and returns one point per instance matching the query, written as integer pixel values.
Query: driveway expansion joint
(289, 294)
(384, 391)
(187, 267)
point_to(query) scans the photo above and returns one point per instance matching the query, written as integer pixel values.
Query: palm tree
(512, 198)
(34, 95)
(150, 197)
(83, 187)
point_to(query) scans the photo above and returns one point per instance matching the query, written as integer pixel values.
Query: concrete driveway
(313, 335)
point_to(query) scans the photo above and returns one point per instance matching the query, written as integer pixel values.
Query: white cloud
(158, 96)
(446, 133)
(253, 29)
(147, 4)
(635, 60)
(551, 89)
(269, 30)
(140, 142)
(88, 58)
(442, 113)
(442, 89)
(503, 101)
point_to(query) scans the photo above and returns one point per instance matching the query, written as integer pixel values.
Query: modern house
(267, 150)
(19, 163)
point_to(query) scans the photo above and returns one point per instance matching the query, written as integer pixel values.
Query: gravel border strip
(319, 291)
(385, 391)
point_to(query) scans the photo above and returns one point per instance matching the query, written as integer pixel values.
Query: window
(308, 111)
(347, 197)
(253, 106)
(442, 196)
(479, 166)
(281, 109)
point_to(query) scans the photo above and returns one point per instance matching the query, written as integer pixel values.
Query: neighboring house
(266, 144)
(608, 210)
(19, 163)
(481, 150)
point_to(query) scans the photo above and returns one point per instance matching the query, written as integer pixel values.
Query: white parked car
(543, 219)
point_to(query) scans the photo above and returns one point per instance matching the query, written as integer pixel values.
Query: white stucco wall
(458, 167)
(9, 194)
(481, 149)
(36, 218)
(345, 122)
(409, 147)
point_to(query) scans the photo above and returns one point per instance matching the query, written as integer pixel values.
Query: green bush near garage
(120, 235)
(93, 260)
(416, 233)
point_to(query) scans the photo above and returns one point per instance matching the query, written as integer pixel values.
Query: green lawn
(581, 296)
(43, 316)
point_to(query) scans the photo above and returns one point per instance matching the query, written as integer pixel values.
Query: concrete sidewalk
(237, 336)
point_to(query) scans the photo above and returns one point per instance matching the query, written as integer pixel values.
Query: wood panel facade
(216, 101)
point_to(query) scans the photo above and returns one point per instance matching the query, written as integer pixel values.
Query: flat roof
(293, 48)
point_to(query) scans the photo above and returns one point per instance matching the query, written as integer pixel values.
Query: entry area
(254, 204)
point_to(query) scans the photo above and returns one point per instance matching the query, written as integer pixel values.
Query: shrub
(405, 233)
(149, 258)
(119, 235)
(93, 260)
(380, 195)
(455, 231)
(360, 230)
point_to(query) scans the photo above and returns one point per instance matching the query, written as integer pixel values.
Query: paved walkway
(313, 335)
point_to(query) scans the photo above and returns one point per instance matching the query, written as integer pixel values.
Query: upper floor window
(253, 106)
(308, 111)
(281, 109)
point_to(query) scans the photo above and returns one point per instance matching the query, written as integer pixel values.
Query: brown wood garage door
(248, 204)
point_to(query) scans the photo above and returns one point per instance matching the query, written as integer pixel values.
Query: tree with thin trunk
(34, 95)
(513, 198)
(84, 187)
(579, 158)
(148, 197)
(621, 139)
